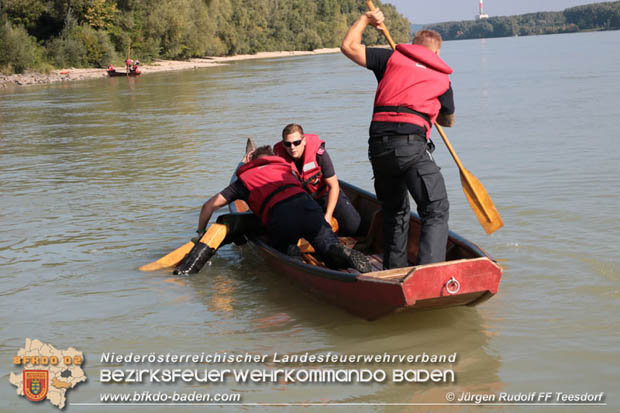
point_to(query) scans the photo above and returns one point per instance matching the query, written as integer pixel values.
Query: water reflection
(275, 316)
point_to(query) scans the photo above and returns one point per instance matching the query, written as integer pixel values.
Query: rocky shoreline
(71, 74)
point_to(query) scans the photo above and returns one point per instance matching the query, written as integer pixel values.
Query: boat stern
(452, 283)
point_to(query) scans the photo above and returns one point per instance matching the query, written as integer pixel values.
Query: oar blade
(480, 202)
(169, 260)
(213, 238)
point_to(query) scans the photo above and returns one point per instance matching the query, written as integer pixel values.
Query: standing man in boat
(307, 155)
(414, 91)
(275, 195)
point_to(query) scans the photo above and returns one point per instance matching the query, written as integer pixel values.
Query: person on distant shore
(414, 91)
(274, 194)
(307, 155)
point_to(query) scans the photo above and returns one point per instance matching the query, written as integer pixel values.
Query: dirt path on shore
(65, 75)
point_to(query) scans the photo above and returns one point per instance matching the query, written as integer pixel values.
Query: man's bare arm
(445, 120)
(332, 197)
(208, 208)
(352, 46)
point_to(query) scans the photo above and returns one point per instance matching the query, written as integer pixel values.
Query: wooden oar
(128, 56)
(213, 237)
(382, 26)
(475, 193)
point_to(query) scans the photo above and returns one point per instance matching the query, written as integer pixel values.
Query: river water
(99, 177)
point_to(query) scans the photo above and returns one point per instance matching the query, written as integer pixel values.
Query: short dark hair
(262, 151)
(291, 128)
(428, 38)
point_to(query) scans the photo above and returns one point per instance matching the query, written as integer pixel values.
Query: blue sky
(435, 11)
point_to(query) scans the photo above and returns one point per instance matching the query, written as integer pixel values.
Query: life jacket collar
(425, 56)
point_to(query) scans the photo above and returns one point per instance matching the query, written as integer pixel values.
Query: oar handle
(449, 146)
(464, 172)
(384, 29)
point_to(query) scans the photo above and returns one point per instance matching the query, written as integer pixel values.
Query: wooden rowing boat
(468, 277)
(115, 73)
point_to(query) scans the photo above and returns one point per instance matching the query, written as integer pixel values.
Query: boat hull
(119, 74)
(469, 277)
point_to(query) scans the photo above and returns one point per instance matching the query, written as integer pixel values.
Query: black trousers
(402, 165)
(299, 217)
(348, 218)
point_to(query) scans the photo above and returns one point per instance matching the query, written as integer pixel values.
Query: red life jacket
(270, 180)
(311, 174)
(414, 78)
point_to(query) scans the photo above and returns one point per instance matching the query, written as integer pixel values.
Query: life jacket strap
(402, 109)
(320, 189)
(305, 182)
(271, 195)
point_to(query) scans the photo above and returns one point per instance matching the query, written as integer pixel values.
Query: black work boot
(195, 260)
(339, 256)
(294, 252)
(359, 261)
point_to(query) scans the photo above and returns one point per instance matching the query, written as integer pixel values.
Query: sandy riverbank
(65, 75)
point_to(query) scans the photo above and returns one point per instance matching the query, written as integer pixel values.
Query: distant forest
(47, 34)
(596, 16)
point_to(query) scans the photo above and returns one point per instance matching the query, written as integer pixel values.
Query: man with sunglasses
(307, 155)
(414, 91)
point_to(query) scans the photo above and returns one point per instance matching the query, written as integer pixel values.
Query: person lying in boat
(275, 195)
(307, 155)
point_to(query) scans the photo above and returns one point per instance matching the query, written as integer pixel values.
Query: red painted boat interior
(373, 295)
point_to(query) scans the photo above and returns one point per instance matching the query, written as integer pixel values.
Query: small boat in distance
(115, 73)
(467, 277)
(132, 70)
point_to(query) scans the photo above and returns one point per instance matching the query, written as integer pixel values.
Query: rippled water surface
(99, 177)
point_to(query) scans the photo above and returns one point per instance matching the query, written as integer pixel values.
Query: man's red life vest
(269, 180)
(311, 174)
(414, 78)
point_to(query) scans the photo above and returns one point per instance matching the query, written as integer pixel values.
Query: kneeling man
(275, 195)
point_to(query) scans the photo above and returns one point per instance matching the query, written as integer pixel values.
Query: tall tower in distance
(482, 15)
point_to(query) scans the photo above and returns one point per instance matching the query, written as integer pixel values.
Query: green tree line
(43, 34)
(596, 16)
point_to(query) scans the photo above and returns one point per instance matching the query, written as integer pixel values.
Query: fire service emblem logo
(36, 384)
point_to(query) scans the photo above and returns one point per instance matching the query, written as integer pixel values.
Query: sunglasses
(294, 143)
